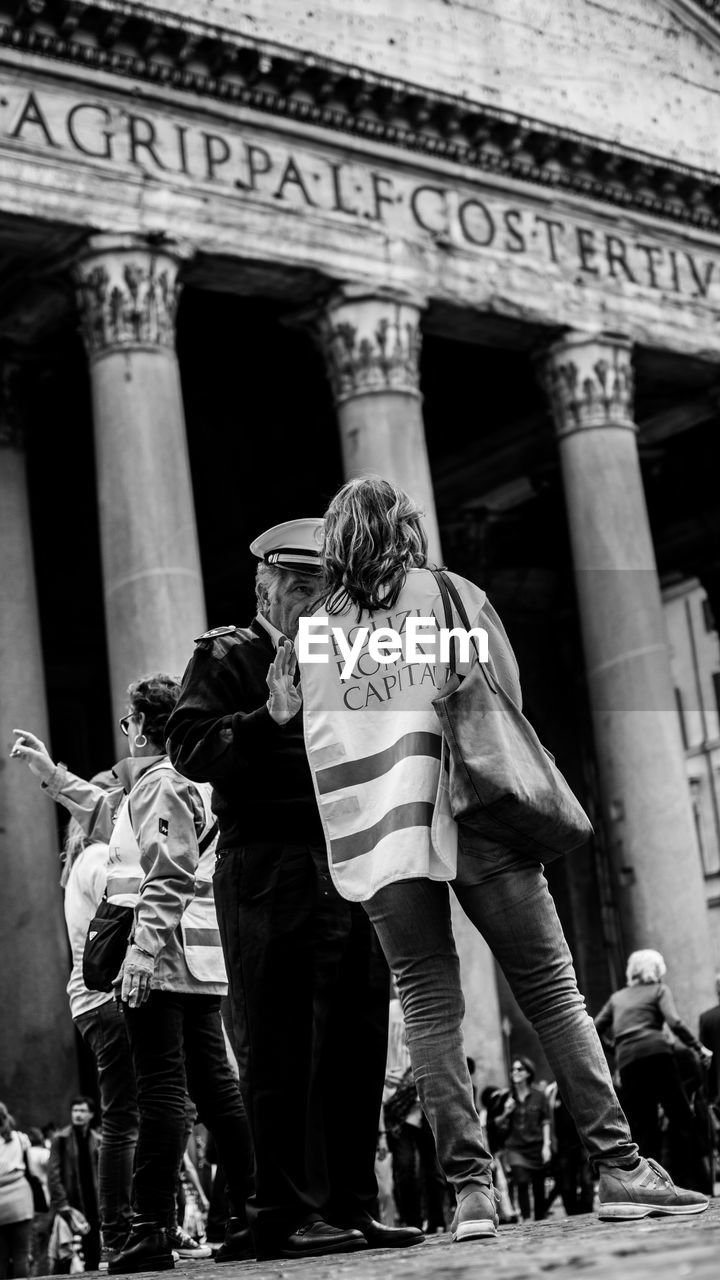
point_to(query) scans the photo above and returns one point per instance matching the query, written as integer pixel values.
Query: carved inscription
(239, 162)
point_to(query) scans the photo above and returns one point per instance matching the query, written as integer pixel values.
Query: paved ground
(560, 1249)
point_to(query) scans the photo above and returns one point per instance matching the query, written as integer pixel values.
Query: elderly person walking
(160, 830)
(633, 1022)
(374, 745)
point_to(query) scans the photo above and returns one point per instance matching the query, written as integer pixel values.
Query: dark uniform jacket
(64, 1172)
(221, 732)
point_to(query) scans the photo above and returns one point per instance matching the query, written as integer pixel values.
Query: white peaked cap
(296, 544)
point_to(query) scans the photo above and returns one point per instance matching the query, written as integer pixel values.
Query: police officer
(307, 978)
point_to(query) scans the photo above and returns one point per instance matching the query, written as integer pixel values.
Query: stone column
(38, 1068)
(154, 603)
(589, 381)
(371, 345)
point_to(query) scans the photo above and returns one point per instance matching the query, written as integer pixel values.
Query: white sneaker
(476, 1216)
(644, 1192)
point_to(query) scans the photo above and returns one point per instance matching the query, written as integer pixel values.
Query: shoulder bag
(108, 936)
(105, 945)
(503, 784)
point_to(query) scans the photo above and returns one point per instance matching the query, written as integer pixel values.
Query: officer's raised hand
(285, 697)
(29, 748)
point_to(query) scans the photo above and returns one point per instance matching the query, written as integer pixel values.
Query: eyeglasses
(124, 723)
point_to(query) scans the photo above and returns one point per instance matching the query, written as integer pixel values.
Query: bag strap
(208, 837)
(447, 589)
(442, 587)
(457, 601)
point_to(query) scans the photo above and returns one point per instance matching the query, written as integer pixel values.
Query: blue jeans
(103, 1030)
(507, 899)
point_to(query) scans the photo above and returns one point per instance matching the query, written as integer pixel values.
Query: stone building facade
(249, 250)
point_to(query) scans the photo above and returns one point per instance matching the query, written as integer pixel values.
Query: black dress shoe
(237, 1245)
(147, 1248)
(313, 1239)
(378, 1236)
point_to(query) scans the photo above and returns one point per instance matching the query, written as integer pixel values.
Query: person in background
(527, 1138)
(418, 1184)
(99, 1020)
(16, 1202)
(494, 1110)
(38, 1157)
(691, 1163)
(570, 1165)
(375, 748)
(161, 838)
(632, 1022)
(73, 1180)
(709, 1036)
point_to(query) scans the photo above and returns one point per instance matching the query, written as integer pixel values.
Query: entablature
(186, 55)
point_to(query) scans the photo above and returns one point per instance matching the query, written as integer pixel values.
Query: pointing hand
(34, 752)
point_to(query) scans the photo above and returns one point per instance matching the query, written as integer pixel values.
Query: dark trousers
(39, 1241)
(523, 1179)
(178, 1048)
(419, 1187)
(646, 1084)
(310, 991)
(104, 1030)
(574, 1180)
(15, 1249)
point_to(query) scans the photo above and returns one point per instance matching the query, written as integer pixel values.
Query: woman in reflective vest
(161, 836)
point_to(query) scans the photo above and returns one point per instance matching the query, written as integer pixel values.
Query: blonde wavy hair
(74, 843)
(373, 535)
(645, 966)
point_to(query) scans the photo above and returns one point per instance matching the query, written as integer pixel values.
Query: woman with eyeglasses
(527, 1138)
(161, 836)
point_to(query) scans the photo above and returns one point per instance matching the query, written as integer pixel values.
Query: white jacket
(154, 823)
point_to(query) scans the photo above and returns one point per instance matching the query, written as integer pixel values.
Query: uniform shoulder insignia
(216, 633)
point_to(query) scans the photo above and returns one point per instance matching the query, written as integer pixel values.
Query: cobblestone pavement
(560, 1248)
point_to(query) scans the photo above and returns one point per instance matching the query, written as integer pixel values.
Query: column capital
(371, 341)
(589, 381)
(127, 293)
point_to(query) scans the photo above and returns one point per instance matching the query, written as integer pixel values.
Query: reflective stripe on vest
(198, 925)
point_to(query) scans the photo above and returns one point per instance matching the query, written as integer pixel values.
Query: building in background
(695, 663)
(249, 250)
